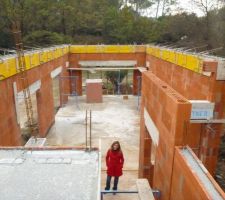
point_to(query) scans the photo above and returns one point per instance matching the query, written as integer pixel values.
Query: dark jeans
(108, 182)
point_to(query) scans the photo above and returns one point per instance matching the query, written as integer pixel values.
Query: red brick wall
(170, 112)
(45, 106)
(195, 86)
(185, 184)
(9, 130)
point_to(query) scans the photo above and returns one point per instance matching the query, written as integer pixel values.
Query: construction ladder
(24, 78)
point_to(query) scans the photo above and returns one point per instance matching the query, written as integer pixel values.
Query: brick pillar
(135, 81)
(64, 85)
(45, 106)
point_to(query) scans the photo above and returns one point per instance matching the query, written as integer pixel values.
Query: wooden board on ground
(144, 190)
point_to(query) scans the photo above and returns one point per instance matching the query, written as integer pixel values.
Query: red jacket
(114, 162)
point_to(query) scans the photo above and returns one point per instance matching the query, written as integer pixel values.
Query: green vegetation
(112, 22)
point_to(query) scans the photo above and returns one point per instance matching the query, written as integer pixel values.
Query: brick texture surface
(170, 112)
(140, 57)
(185, 183)
(194, 86)
(9, 129)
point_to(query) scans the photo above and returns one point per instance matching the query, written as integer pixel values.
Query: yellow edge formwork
(8, 66)
(188, 61)
(107, 49)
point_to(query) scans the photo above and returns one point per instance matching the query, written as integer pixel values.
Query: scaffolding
(139, 80)
(73, 88)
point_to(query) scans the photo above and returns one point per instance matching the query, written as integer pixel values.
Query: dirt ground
(114, 119)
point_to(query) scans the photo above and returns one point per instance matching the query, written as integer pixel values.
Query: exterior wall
(185, 183)
(75, 58)
(196, 86)
(169, 111)
(9, 129)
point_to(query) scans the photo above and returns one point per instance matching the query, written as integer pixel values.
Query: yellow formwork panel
(172, 57)
(93, 49)
(193, 63)
(188, 61)
(165, 55)
(10, 65)
(49, 55)
(44, 57)
(35, 60)
(149, 50)
(27, 61)
(3, 70)
(102, 49)
(77, 49)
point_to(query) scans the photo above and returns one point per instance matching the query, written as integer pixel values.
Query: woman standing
(114, 163)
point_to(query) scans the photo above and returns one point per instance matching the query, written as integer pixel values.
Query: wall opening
(56, 93)
(22, 118)
(115, 82)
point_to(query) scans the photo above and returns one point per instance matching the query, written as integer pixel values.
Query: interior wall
(169, 111)
(195, 86)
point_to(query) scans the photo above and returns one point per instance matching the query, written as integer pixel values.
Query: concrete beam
(109, 63)
(56, 72)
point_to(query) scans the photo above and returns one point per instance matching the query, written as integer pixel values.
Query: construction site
(62, 107)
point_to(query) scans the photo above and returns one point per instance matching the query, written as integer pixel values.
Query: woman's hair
(116, 142)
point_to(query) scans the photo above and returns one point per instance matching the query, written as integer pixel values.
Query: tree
(206, 6)
(166, 5)
(116, 77)
(141, 4)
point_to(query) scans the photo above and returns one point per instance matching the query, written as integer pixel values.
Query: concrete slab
(114, 119)
(49, 174)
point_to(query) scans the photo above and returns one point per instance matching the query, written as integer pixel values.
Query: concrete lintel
(151, 127)
(109, 63)
(92, 69)
(56, 72)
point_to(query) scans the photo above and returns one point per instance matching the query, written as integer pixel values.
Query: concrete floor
(114, 119)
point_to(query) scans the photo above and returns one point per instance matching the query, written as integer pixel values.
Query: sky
(183, 6)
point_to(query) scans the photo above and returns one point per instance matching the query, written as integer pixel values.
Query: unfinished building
(182, 111)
